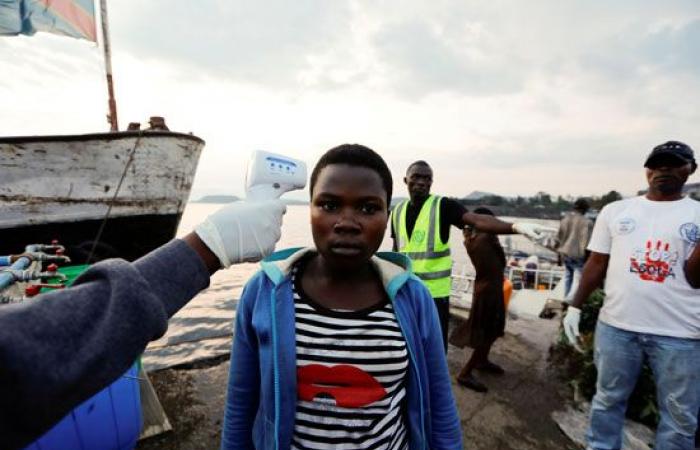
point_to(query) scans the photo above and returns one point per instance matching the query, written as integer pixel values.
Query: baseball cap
(675, 149)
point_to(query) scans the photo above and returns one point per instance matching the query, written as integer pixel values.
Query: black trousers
(443, 308)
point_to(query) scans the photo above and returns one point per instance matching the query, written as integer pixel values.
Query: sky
(502, 96)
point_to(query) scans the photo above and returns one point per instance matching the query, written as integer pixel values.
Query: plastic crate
(110, 420)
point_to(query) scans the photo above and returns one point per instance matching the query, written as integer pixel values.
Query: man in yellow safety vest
(420, 228)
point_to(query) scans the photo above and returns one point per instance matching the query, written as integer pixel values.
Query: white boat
(122, 193)
(535, 290)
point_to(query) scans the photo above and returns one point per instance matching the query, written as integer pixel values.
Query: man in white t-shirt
(652, 309)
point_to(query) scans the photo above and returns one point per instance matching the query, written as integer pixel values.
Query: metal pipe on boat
(8, 276)
(36, 251)
(30, 275)
(39, 248)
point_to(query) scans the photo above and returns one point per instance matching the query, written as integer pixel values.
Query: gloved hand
(243, 231)
(532, 230)
(571, 326)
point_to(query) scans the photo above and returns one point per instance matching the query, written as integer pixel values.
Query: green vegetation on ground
(579, 371)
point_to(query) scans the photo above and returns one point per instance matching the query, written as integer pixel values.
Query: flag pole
(112, 116)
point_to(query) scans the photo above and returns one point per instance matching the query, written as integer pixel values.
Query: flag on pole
(75, 18)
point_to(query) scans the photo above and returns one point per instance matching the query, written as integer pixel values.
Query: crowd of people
(340, 345)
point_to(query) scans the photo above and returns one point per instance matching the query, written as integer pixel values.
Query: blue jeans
(675, 363)
(572, 265)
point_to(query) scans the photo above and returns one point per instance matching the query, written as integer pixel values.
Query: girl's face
(348, 214)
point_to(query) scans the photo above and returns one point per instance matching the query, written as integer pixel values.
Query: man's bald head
(419, 163)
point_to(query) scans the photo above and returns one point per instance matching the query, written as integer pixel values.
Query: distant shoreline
(216, 199)
(224, 199)
(502, 211)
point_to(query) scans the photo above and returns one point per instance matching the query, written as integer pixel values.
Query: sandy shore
(513, 415)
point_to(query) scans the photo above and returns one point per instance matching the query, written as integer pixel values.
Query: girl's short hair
(355, 155)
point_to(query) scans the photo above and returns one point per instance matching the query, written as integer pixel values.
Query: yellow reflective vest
(430, 256)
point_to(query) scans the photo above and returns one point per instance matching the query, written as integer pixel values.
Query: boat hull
(65, 187)
(127, 237)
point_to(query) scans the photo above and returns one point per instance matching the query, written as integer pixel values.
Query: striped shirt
(351, 377)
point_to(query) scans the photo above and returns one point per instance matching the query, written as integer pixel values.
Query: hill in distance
(478, 195)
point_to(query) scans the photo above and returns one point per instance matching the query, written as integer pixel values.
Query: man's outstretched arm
(487, 223)
(60, 348)
(490, 224)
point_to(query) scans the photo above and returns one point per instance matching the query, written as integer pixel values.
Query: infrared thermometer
(270, 175)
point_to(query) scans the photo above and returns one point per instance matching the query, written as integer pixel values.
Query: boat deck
(546, 294)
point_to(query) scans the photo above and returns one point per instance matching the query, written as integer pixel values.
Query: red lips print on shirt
(350, 386)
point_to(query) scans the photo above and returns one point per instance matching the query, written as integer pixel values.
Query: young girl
(337, 347)
(487, 319)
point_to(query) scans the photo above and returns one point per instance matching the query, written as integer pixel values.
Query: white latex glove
(243, 231)
(571, 326)
(532, 230)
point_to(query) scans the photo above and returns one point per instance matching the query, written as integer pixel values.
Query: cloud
(533, 95)
(677, 48)
(266, 43)
(467, 48)
(565, 153)
(645, 51)
(421, 60)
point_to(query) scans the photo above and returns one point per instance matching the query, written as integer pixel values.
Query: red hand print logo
(655, 265)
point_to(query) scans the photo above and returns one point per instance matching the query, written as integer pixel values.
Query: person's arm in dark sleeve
(452, 211)
(487, 224)
(692, 268)
(60, 348)
(459, 216)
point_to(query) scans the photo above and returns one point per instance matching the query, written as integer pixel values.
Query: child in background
(487, 318)
(337, 346)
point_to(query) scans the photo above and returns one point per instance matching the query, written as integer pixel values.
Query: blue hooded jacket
(262, 390)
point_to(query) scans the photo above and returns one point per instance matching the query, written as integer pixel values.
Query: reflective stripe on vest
(430, 256)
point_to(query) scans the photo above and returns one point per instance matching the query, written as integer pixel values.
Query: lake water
(203, 328)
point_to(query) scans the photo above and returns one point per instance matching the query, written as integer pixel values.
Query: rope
(114, 197)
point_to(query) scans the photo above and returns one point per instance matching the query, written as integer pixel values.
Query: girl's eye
(369, 208)
(329, 206)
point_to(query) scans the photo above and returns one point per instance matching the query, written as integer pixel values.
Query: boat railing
(537, 278)
(521, 277)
